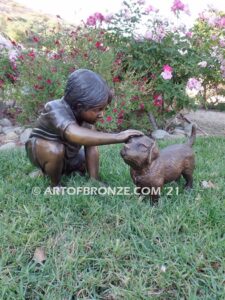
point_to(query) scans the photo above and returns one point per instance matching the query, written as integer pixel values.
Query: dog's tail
(192, 138)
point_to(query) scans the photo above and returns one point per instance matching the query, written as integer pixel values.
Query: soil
(209, 122)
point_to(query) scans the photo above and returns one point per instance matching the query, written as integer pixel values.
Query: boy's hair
(86, 89)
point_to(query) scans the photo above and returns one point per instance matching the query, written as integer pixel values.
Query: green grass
(113, 247)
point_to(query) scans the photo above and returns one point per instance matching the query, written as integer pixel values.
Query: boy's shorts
(73, 159)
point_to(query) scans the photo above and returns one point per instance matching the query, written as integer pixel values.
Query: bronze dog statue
(152, 168)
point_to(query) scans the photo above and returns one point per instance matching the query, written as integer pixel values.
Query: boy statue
(67, 124)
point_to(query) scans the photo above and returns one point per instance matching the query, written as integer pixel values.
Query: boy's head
(86, 90)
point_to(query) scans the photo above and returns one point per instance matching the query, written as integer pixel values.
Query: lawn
(113, 247)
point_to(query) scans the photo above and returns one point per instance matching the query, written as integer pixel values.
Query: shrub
(208, 41)
(51, 57)
(153, 65)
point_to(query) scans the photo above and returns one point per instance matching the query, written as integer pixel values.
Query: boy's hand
(125, 135)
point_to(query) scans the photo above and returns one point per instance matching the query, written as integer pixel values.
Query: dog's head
(139, 151)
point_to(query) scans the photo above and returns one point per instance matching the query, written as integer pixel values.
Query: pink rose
(167, 68)
(98, 16)
(166, 75)
(194, 84)
(91, 21)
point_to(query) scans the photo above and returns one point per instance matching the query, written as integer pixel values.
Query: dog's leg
(139, 194)
(154, 199)
(189, 180)
(155, 194)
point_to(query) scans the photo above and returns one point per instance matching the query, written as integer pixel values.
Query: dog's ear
(154, 152)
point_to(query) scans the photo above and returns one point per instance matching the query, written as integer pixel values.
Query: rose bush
(158, 54)
(51, 56)
(152, 64)
(208, 40)
(173, 66)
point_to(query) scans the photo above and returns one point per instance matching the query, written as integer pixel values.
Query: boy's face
(93, 115)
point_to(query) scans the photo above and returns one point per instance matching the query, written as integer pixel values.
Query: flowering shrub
(153, 65)
(52, 56)
(8, 72)
(169, 66)
(208, 40)
(156, 56)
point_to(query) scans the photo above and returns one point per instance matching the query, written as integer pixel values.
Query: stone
(160, 134)
(188, 129)
(179, 127)
(25, 135)
(10, 103)
(178, 131)
(19, 130)
(2, 105)
(7, 129)
(5, 122)
(8, 146)
(11, 136)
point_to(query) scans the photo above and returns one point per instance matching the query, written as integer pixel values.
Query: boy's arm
(87, 137)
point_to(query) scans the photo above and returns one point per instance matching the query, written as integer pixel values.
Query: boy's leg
(47, 155)
(92, 161)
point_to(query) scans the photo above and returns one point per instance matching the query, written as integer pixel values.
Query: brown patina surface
(152, 168)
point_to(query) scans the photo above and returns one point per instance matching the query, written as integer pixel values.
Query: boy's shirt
(52, 123)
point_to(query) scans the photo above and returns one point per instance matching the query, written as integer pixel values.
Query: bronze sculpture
(67, 124)
(152, 168)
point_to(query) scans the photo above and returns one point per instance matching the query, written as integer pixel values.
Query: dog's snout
(124, 150)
